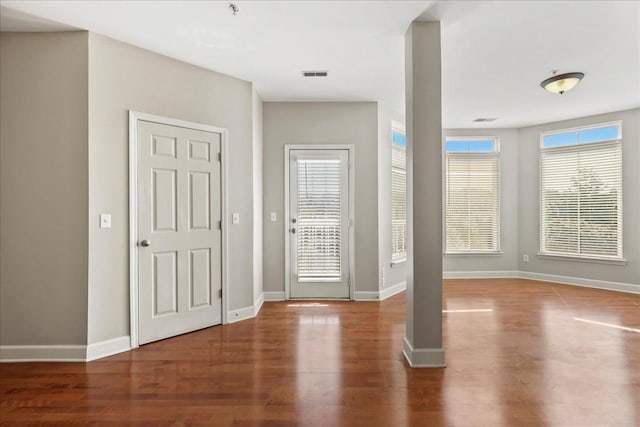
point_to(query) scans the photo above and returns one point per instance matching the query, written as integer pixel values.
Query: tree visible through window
(581, 192)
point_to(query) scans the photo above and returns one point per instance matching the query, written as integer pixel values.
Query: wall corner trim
(423, 357)
(108, 347)
(366, 296)
(257, 304)
(392, 290)
(248, 312)
(240, 314)
(381, 295)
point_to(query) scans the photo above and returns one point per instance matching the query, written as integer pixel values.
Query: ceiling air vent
(485, 119)
(315, 73)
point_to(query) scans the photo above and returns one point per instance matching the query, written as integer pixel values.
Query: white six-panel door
(179, 235)
(318, 225)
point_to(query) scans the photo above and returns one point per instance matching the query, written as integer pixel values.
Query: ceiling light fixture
(560, 83)
(234, 8)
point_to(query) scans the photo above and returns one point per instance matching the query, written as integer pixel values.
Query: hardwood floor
(530, 355)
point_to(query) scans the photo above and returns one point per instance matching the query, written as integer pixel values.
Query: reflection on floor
(518, 353)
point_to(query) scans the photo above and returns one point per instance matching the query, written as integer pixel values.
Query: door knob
(145, 243)
(293, 230)
(293, 220)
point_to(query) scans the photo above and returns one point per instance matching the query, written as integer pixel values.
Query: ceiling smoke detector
(315, 73)
(485, 119)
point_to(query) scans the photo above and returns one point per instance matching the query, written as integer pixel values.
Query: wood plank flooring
(532, 356)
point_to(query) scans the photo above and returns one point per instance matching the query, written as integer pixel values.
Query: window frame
(395, 258)
(497, 153)
(598, 259)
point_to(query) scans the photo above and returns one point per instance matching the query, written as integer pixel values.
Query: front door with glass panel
(318, 223)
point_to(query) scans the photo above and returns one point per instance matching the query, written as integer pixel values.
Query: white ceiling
(495, 53)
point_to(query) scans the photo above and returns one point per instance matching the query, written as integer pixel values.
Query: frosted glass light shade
(562, 82)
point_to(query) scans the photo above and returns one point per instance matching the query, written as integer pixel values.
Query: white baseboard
(243, 313)
(108, 348)
(273, 295)
(480, 274)
(392, 290)
(257, 304)
(565, 280)
(64, 353)
(423, 357)
(577, 281)
(367, 296)
(359, 295)
(43, 353)
(416, 357)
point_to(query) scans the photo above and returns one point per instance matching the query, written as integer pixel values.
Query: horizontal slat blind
(581, 200)
(319, 227)
(398, 201)
(472, 202)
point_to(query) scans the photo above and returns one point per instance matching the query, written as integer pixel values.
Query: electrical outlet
(105, 220)
(525, 258)
(235, 218)
(273, 217)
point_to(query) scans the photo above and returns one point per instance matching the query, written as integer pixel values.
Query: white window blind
(318, 221)
(398, 197)
(581, 195)
(472, 201)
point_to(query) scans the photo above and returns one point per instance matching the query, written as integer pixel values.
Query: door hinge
(220, 293)
(220, 156)
(219, 225)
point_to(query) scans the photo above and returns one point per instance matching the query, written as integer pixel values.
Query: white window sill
(398, 262)
(594, 260)
(470, 253)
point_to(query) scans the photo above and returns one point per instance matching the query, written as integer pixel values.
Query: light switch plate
(105, 220)
(273, 216)
(235, 218)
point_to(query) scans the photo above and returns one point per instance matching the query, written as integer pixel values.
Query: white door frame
(287, 247)
(134, 116)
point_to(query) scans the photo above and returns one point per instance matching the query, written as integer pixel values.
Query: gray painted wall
(43, 188)
(73, 91)
(508, 260)
(397, 273)
(123, 78)
(322, 123)
(529, 202)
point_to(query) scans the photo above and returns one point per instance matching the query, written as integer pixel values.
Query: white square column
(423, 340)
